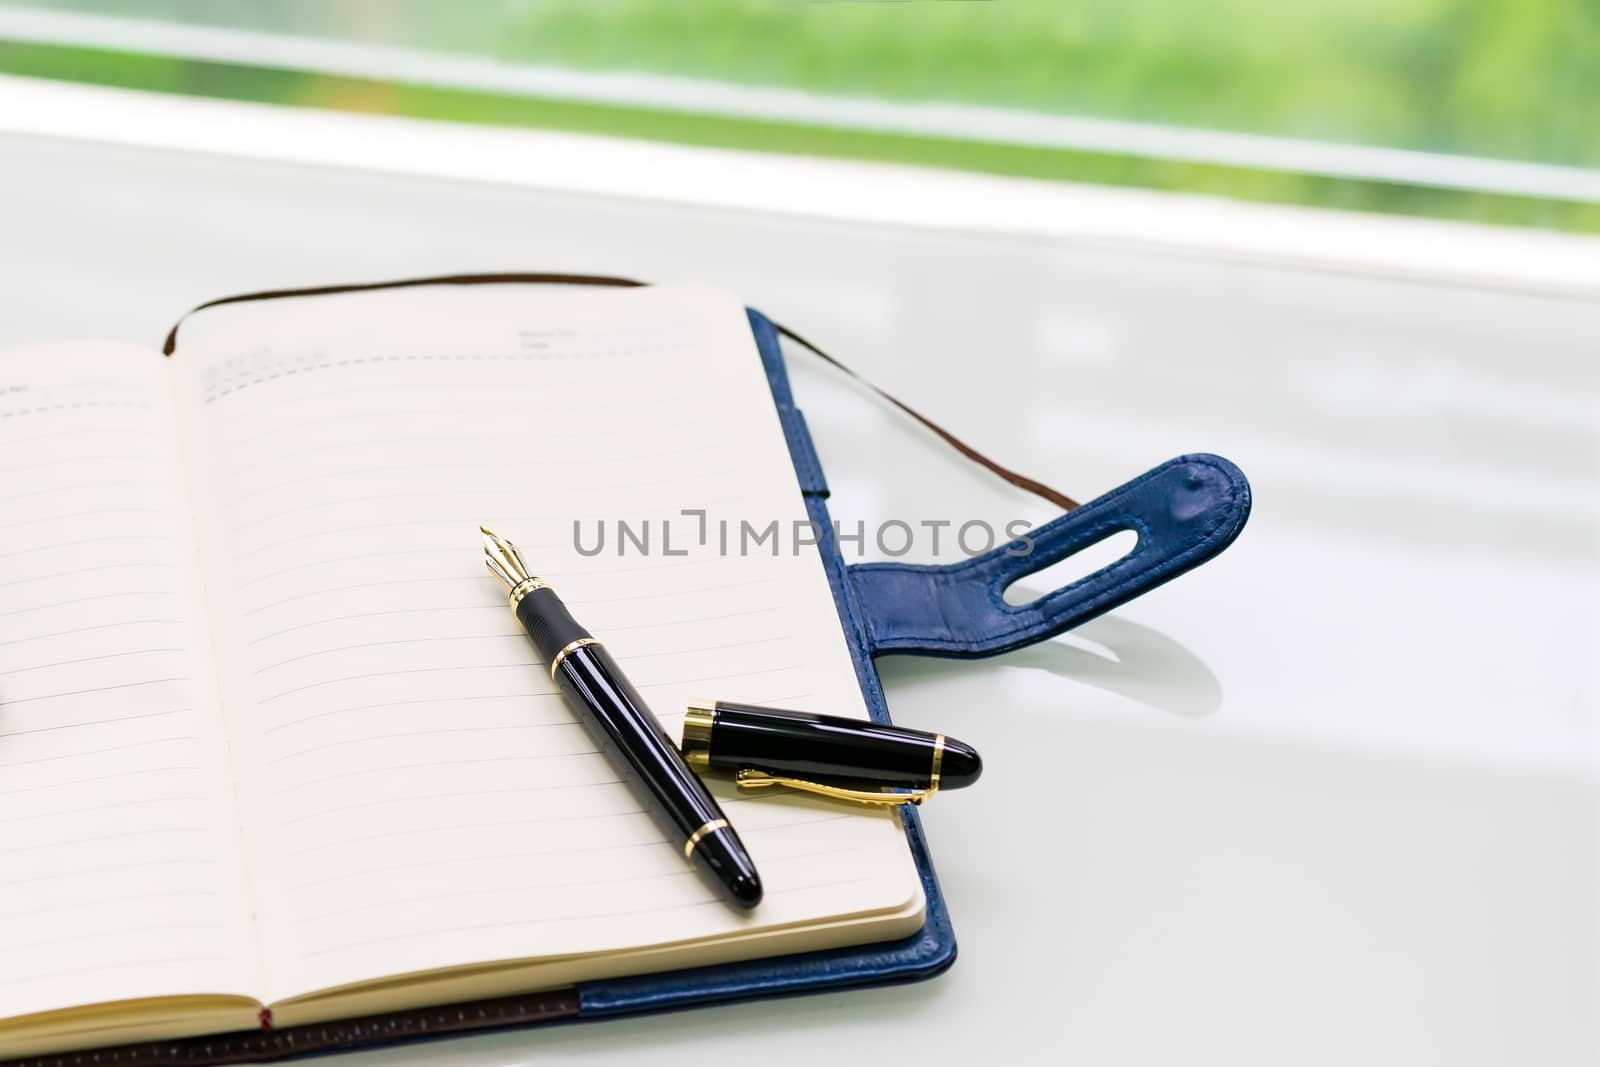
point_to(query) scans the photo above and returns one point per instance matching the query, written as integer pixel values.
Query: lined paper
(119, 847)
(415, 793)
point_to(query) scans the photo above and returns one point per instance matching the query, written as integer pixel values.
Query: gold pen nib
(501, 557)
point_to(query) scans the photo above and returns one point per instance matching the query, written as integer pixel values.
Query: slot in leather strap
(1184, 512)
(1021, 481)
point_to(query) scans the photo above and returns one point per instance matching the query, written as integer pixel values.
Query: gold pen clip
(750, 778)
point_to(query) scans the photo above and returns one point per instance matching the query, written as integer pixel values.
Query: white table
(1329, 800)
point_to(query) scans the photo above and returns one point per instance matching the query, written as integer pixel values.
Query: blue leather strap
(1184, 512)
(1200, 501)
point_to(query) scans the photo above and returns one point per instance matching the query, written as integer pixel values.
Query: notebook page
(118, 845)
(418, 794)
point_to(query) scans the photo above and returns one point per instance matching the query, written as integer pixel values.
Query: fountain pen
(620, 723)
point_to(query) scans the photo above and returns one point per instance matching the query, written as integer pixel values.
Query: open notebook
(269, 738)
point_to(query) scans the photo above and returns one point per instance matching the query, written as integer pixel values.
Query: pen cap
(856, 753)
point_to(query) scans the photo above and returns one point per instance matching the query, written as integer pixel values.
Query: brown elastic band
(1021, 481)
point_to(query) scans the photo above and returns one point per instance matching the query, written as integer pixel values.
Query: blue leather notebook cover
(1183, 512)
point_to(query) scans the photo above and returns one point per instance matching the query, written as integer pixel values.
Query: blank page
(119, 873)
(417, 794)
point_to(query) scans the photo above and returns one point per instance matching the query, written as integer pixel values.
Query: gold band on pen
(565, 652)
(698, 722)
(938, 760)
(694, 839)
(524, 587)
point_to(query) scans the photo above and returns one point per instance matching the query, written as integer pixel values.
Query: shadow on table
(1110, 653)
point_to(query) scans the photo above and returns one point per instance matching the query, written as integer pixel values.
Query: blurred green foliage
(1507, 78)
(1517, 79)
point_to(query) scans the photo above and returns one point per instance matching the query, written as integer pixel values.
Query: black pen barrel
(645, 757)
(730, 737)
